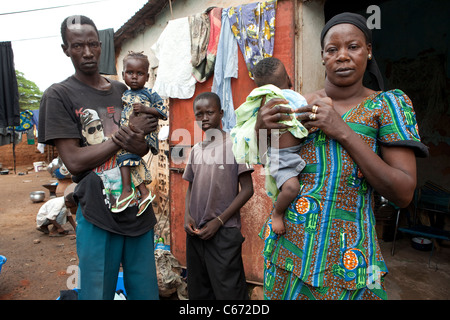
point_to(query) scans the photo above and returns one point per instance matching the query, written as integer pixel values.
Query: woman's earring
(323, 62)
(369, 56)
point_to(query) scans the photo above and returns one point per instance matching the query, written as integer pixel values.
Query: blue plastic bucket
(162, 246)
(120, 285)
(2, 261)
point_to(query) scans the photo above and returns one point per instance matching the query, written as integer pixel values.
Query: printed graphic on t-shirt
(93, 130)
(96, 127)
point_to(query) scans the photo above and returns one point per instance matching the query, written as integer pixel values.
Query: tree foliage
(29, 93)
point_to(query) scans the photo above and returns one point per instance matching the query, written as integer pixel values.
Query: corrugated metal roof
(142, 18)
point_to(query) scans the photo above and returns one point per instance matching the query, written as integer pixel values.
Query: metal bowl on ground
(37, 196)
(51, 188)
(422, 244)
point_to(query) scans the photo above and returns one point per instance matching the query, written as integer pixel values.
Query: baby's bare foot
(278, 225)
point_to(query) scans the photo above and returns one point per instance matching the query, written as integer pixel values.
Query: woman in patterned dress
(360, 141)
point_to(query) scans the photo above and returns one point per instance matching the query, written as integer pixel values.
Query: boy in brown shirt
(218, 188)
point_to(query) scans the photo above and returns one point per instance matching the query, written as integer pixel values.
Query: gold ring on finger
(314, 108)
(312, 116)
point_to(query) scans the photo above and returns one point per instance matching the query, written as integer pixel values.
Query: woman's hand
(322, 114)
(271, 113)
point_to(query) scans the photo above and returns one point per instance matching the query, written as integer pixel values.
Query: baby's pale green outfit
(282, 164)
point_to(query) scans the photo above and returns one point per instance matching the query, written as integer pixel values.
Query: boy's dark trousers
(214, 267)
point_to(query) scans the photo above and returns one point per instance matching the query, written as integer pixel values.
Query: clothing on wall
(253, 26)
(199, 31)
(226, 67)
(205, 32)
(215, 21)
(190, 49)
(173, 50)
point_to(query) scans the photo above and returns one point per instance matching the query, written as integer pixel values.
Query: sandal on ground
(59, 234)
(45, 231)
(118, 208)
(144, 203)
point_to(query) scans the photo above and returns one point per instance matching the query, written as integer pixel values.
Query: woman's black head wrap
(360, 22)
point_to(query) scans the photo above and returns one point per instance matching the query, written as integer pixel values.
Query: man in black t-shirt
(80, 116)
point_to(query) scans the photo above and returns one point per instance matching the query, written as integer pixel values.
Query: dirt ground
(39, 266)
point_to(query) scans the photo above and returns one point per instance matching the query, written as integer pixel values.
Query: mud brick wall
(26, 154)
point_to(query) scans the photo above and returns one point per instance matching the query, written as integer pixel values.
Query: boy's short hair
(70, 199)
(76, 19)
(265, 72)
(137, 55)
(209, 96)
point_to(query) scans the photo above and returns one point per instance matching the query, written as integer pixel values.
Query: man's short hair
(76, 19)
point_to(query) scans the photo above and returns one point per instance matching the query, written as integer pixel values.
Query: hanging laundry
(30, 136)
(8, 137)
(107, 64)
(173, 50)
(199, 30)
(215, 21)
(205, 32)
(226, 67)
(253, 25)
(9, 92)
(36, 116)
(26, 121)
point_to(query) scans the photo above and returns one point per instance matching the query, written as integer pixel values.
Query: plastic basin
(2, 261)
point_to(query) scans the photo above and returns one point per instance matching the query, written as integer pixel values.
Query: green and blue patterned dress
(330, 249)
